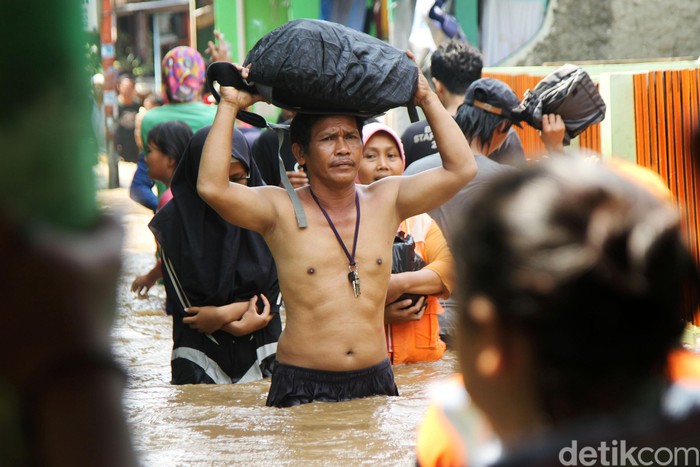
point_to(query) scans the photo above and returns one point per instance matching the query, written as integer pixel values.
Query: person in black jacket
(220, 280)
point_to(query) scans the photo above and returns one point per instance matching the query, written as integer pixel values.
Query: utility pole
(107, 38)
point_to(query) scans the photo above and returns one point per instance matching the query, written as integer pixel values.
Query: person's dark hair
(170, 138)
(585, 265)
(456, 64)
(477, 123)
(124, 76)
(300, 128)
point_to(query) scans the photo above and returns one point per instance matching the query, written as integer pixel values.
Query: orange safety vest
(439, 443)
(684, 366)
(443, 435)
(417, 341)
(454, 433)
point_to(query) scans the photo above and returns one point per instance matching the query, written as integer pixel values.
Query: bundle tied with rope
(319, 67)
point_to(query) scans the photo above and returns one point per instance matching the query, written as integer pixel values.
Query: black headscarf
(216, 262)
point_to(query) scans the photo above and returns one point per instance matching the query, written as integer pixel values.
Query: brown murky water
(230, 424)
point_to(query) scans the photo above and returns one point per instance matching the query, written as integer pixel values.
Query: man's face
(335, 149)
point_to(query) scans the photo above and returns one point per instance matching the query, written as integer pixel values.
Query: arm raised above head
(245, 207)
(427, 190)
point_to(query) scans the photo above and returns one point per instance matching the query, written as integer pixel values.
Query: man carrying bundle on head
(334, 273)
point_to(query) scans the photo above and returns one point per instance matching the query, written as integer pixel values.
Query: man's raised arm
(427, 190)
(234, 202)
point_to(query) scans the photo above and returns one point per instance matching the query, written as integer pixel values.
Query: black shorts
(293, 385)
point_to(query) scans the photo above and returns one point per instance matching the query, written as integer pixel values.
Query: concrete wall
(577, 30)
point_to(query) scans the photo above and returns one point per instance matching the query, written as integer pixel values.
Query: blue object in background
(141, 189)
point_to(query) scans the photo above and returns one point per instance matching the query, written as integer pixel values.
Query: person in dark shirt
(128, 107)
(485, 131)
(454, 66)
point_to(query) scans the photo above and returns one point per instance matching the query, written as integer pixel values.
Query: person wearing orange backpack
(412, 329)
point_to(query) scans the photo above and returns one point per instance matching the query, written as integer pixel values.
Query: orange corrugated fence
(666, 124)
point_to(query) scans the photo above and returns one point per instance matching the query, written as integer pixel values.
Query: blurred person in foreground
(563, 269)
(60, 386)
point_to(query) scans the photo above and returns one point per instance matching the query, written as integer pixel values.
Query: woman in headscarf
(221, 280)
(412, 329)
(183, 75)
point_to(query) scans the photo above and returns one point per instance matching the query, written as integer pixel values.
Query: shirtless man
(333, 346)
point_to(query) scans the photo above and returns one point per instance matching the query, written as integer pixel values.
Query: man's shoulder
(152, 114)
(160, 114)
(203, 113)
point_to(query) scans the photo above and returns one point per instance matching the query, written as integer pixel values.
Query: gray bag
(568, 91)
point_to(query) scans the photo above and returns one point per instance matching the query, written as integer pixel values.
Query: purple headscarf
(183, 70)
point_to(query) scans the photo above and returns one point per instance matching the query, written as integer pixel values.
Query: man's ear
(503, 127)
(298, 152)
(439, 87)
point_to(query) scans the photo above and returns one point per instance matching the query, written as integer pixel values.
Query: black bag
(319, 67)
(404, 258)
(315, 66)
(568, 91)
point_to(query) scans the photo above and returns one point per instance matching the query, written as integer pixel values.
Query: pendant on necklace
(353, 275)
(354, 278)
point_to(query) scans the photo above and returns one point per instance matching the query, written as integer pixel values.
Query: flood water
(230, 424)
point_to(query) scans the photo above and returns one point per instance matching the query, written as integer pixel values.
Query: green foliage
(93, 55)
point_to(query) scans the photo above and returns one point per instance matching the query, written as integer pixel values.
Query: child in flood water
(164, 147)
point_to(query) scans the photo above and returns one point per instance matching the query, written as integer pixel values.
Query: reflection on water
(230, 424)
